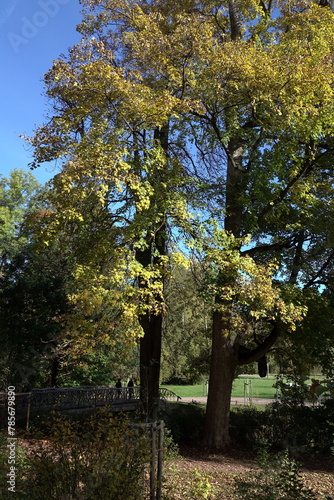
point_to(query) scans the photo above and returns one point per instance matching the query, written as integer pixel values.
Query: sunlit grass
(259, 388)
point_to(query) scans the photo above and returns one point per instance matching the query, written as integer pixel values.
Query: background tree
(43, 329)
(18, 194)
(33, 294)
(32, 291)
(310, 346)
(186, 341)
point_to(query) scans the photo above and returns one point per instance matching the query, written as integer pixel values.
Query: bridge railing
(168, 395)
(68, 398)
(80, 397)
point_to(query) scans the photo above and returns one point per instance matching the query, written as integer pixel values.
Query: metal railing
(81, 397)
(74, 398)
(168, 395)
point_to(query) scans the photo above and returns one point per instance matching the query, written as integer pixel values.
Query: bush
(185, 421)
(301, 429)
(278, 478)
(21, 464)
(298, 428)
(173, 380)
(245, 424)
(102, 458)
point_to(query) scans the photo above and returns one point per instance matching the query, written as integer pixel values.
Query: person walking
(119, 388)
(130, 388)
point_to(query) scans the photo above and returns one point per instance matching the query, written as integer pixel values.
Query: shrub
(245, 424)
(185, 421)
(21, 464)
(101, 458)
(301, 429)
(298, 428)
(189, 484)
(278, 478)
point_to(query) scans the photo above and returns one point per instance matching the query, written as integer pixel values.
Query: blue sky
(32, 34)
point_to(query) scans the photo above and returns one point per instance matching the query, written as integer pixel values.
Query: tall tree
(228, 105)
(32, 291)
(18, 195)
(186, 342)
(33, 295)
(117, 188)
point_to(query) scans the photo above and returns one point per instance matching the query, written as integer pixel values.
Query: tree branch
(304, 171)
(246, 355)
(269, 247)
(314, 281)
(297, 258)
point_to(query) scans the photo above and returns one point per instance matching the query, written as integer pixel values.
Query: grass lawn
(260, 388)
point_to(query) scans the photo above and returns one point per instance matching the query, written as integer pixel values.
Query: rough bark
(150, 354)
(224, 357)
(150, 343)
(235, 22)
(234, 188)
(222, 372)
(151, 323)
(55, 368)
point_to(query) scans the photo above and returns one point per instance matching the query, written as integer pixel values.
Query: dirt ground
(196, 471)
(222, 469)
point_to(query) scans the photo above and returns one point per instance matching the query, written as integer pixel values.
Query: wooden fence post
(153, 461)
(28, 411)
(2, 407)
(160, 458)
(156, 459)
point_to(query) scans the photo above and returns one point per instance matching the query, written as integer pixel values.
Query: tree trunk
(222, 371)
(55, 367)
(224, 357)
(235, 22)
(151, 323)
(150, 343)
(150, 354)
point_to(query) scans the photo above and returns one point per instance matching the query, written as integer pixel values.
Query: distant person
(119, 388)
(130, 388)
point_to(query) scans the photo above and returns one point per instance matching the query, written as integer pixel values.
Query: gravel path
(234, 401)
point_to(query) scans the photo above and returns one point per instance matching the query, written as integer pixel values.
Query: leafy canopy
(213, 119)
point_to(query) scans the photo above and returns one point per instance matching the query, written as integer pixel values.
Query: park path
(237, 401)
(234, 401)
